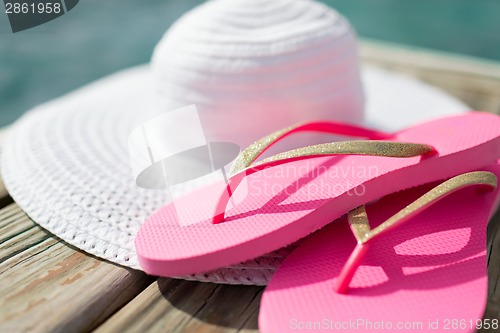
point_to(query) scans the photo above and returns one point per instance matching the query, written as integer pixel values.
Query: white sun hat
(250, 67)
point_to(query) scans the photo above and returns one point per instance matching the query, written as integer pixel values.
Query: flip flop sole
(429, 274)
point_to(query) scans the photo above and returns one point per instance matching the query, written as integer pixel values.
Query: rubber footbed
(433, 267)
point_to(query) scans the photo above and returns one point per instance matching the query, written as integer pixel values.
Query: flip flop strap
(245, 164)
(360, 226)
(245, 160)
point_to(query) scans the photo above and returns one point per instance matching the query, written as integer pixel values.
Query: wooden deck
(50, 286)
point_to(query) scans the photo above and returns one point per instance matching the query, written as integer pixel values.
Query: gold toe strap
(245, 160)
(378, 145)
(358, 219)
(360, 226)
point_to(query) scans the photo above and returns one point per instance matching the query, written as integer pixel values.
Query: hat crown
(254, 66)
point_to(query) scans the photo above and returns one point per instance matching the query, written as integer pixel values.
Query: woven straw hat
(250, 66)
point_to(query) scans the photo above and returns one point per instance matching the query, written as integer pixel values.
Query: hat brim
(66, 162)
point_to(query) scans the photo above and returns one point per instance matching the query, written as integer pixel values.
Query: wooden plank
(474, 81)
(170, 305)
(405, 56)
(152, 310)
(17, 234)
(49, 286)
(251, 324)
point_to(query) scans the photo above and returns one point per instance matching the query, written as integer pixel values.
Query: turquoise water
(99, 37)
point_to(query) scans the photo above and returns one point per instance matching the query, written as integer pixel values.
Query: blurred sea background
(97, 38)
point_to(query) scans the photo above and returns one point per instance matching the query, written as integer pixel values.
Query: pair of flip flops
(429, 272)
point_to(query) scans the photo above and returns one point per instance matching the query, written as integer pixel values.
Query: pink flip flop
(292, 194)
(424, 269)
